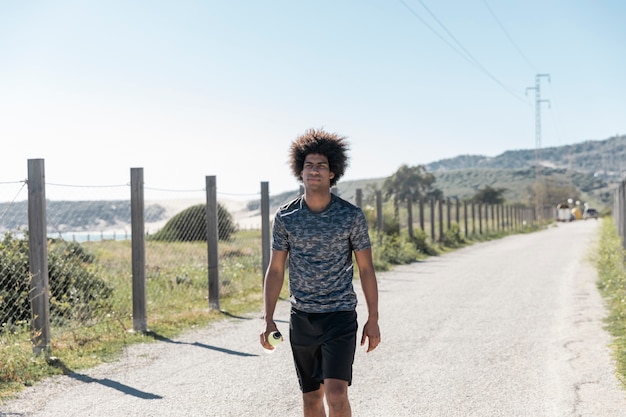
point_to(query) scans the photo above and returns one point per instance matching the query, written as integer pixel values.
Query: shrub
(395, 250)
(75, 291)
(391, 224)
(420, 241)
(14, 283)
(452, 237)
(190, 225)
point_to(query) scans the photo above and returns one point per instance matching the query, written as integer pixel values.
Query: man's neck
(317, 201)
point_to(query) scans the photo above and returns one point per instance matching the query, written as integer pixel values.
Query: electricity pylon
(538, 101)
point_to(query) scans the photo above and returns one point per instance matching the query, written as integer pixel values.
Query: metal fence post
(138, 243)
(212, 235)
(38, 258)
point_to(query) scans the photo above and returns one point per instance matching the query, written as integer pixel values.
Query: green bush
(420, 241)
(452, 237)
(75, 291)
(394, 250)
(391, 224)
(15, 283)
(190, 225)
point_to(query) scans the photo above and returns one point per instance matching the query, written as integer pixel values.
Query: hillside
(592, 168)
(606, 157)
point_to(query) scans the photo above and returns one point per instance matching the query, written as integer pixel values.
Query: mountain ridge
(592, 167)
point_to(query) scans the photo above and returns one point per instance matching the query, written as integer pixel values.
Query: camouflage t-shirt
(320, 249)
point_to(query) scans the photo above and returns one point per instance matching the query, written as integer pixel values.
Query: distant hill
(607, 157)
(593, 168)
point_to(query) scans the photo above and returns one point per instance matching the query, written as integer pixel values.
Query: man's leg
(337, 398)
(313, 403)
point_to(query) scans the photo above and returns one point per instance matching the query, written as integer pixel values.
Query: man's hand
(371, 332)
(267, 329)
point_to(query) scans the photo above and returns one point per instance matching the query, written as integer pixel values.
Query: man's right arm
(272, 286)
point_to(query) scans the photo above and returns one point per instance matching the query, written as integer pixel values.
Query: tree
(489, 195)
(409, 182)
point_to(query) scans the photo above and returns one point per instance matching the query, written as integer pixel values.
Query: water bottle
(274, 339)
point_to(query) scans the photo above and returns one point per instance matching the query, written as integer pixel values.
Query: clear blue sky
(188, 88)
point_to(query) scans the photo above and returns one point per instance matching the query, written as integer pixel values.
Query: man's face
(316, 173)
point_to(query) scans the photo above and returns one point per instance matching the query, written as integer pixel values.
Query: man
(319, 233)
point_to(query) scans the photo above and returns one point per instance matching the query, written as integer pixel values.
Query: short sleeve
(360, 234)
(279, 234)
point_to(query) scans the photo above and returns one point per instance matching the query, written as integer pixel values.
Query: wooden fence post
(465, 217)
(432, 219)
(379, 211)
(212, 235)
(359, 197)
(473, 218)
(265, 227)
(440, 216)
(448, 212)
(39, 294)
(138, 244)
(422, 214)
(409, 209)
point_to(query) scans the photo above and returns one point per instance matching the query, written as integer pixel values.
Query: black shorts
(323, 346)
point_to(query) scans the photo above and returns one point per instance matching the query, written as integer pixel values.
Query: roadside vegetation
(610, 262)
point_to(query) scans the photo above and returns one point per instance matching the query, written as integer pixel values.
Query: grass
(610, 263)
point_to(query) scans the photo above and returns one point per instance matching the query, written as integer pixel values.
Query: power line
(459, 48)
(528, 62)
(506, 33)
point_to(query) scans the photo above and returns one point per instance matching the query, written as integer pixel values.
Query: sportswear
(320, 246)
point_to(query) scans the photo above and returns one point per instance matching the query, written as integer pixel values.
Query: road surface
(505, 328)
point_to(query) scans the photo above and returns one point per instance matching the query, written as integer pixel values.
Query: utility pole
(538, 101)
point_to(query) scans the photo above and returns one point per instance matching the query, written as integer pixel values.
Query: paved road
(504, 328)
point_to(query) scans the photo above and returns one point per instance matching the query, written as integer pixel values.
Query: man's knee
(336, 393)
(313, 400)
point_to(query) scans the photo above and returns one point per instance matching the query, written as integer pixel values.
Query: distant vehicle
(590, 213)
(564, 213)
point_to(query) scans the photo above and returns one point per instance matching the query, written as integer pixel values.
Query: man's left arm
(367, 275)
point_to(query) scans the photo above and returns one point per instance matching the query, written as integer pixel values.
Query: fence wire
(90, 257)
(89, 247)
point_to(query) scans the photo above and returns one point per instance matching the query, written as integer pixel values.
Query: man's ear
(331, 175)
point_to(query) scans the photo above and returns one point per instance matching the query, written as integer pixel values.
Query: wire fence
(89, 258)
